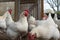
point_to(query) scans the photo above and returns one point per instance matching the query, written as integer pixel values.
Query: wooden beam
(40, 9)
(16, 11)
(6, 0)
(18, 8)
(21, 1)
(27, 1)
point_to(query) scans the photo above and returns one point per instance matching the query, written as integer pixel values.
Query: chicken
(49, 21)
(9, 19)
(31, 22)
(40, 22)
(47, 30)
(14, 28)
(57, 21)
(45, 17)
(3, 22)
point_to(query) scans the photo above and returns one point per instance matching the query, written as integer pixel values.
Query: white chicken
(3, 22)
(47, 21)
(15, 27)
(45, 17)
(40, 22)
(31, 22)
(47, 30)
(51, 21)
(57, 21)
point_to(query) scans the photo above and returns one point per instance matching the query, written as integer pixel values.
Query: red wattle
(10, 11)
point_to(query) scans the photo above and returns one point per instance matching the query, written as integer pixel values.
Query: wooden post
(17, 9)
(40, 9)
(15, 15)
(38, 17)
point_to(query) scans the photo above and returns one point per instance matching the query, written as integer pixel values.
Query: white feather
(57, 21)
(32, 22)
(15, 27)
(48, 29)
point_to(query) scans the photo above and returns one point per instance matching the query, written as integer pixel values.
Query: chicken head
(31, 37)
(26, 12)
(10, 11)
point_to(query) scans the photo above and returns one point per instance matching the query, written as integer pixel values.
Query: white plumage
(32, 22)
(15, 27)
(3, 22)
(49, 21)
(47, 30)
(57, 21)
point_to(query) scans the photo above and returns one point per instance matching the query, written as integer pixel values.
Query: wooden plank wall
(27, 6)
(37, 11)
(6, 0)
(5, 5)
(27, 1)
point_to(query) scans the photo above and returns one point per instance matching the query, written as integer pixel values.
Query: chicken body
(3, 21)
(47, 30)
(14, 28)
(31, 22)
(57, 21)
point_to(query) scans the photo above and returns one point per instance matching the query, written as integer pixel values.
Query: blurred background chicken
(31, 22)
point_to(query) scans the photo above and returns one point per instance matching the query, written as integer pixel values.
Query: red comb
(27, 10)
(10, 11)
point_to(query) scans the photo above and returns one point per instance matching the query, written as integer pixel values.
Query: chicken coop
(26, 20)
(35, 7)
